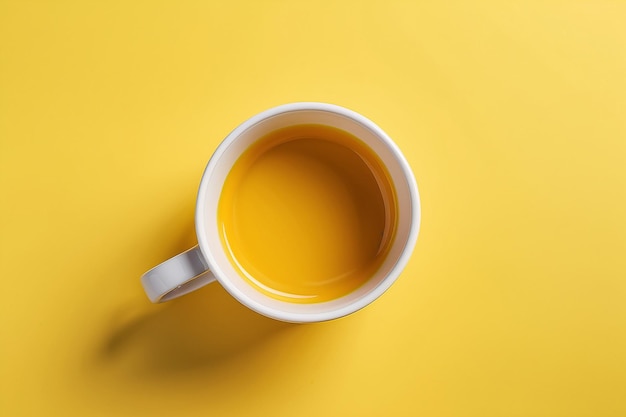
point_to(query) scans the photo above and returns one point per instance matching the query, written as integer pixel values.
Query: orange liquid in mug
(307, 214)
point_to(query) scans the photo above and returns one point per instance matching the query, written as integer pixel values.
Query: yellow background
(513, 117)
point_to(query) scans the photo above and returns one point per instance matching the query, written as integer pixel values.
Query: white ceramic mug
(208, 261)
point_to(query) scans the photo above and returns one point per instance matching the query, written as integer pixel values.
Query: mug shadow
(197, 331)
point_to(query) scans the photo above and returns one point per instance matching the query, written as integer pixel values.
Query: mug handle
(180, 275)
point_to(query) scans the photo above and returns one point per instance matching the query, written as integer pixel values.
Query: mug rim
(205, 184)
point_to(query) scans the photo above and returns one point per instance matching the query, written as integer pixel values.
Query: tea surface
(307, 213)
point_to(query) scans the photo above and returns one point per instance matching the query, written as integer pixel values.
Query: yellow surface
(511, 115)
